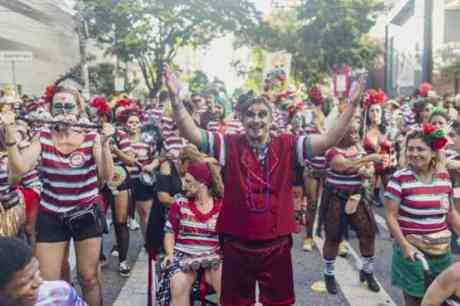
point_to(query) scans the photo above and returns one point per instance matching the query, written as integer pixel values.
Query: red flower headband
(125, 108)
(100, 104)
(424, 88)
(374, 96)
(435, 137)
(49, 93)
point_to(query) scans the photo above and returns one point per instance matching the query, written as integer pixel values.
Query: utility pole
(83, 41)
(428, 42)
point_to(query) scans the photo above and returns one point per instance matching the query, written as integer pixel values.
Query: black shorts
(140, 191)
(51, 228)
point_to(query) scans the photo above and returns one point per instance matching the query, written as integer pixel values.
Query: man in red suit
(257, 217)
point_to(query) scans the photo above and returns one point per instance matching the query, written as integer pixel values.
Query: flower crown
(374, 96)
(435, 137)
(100, 104)
(424, 89)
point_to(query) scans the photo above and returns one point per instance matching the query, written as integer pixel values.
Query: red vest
(258, 202)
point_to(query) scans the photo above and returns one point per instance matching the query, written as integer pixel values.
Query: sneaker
(114, 251)
(103, 260)
(124, 269)
(133, 224)
(343, 249)
(308, 244)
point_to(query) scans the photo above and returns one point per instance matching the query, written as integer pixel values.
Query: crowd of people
(220, 186)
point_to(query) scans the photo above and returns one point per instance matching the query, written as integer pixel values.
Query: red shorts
(267, 262)
(31, 201)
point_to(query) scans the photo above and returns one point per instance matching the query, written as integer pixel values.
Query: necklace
(251, 186)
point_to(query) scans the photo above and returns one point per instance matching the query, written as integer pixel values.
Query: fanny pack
(12, 214)
(193, 264)
(83, 217)
(434, 244)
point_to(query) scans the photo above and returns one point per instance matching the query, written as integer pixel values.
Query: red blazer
(258, 202)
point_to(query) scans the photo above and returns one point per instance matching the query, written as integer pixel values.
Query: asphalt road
(308, 269)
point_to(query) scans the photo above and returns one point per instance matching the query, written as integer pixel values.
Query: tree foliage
(152, 32)
(320, 34)
(199, 82)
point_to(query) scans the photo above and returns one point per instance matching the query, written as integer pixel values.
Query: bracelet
(10, 144)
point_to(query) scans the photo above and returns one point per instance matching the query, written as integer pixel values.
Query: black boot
(331, 284)
(370, 280)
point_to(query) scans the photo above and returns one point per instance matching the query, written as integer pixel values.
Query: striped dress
(423, 207)
(343, 180)
(69, 180)
(195, 232)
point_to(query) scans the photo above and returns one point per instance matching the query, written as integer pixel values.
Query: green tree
(320, 34)
(199, 82)
(151, 32)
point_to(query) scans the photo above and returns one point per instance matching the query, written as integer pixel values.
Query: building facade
(421, 37)
(47, 29)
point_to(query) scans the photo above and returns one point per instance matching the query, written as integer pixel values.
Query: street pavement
(308, 269)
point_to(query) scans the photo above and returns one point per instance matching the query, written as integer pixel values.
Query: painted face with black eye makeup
(133, 124)
(257, 121)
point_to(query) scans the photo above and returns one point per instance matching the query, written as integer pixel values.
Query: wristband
(10, 144)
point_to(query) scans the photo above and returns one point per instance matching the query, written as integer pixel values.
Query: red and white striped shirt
(69, 180)
(173, 143)
(195, 232)
(340, 180)
(123, 143)
(423, 207)
(144, 155)
(5, 186)
(32, 180)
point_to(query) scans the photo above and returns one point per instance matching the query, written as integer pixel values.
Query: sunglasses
(64, 107)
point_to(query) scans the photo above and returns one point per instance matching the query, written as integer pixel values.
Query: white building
(46, 28)
(418, 32)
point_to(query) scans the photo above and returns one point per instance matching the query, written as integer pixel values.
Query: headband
(374, 96)
(200, 171)
(435, 138)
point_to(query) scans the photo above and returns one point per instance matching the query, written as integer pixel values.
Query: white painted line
(381, 222)
(347, 276)
(134, 291)
(72, 257)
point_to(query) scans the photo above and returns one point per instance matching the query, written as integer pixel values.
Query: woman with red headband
(191, 242)
(419, 211)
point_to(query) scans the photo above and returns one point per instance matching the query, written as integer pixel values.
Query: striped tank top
(5, 186)
(342, 180)
(144, 155)
(123, 143)
(69, 180)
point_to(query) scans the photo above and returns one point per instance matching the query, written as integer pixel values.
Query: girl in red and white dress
(71, 162)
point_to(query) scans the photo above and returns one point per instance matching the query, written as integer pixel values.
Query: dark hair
(417, 134)
(455, 127)
(383, 122)
(441, 113)
(163, 96)
(252, 101)
(15, 254)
